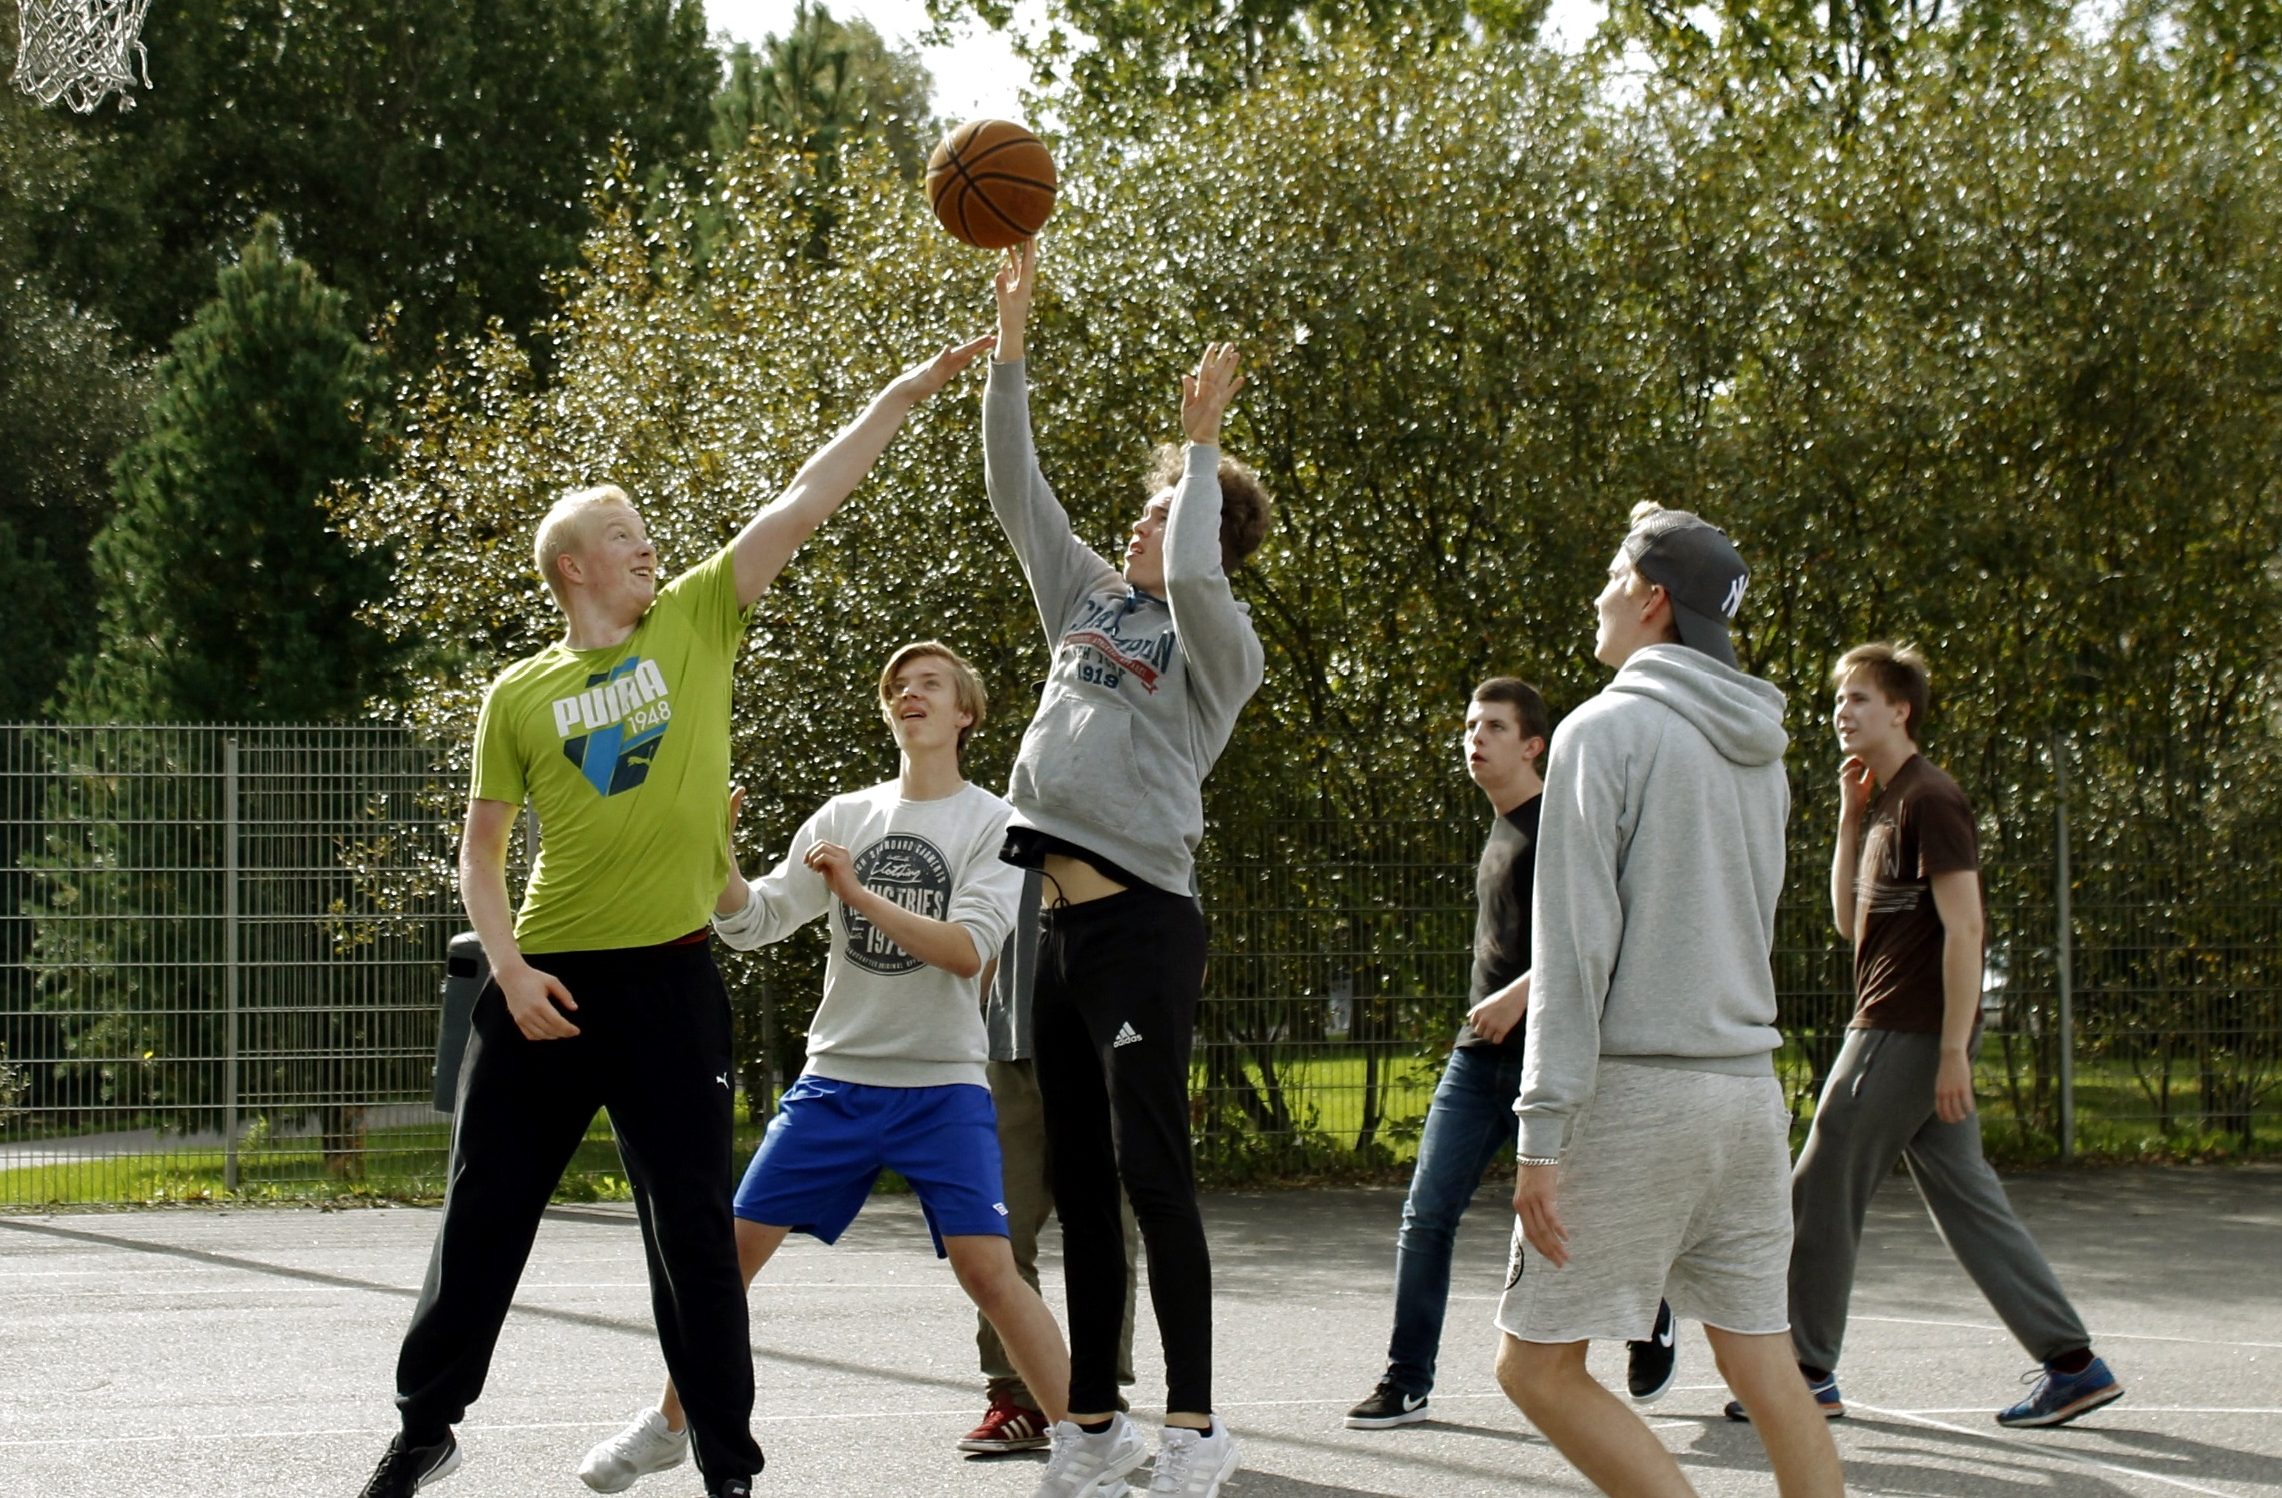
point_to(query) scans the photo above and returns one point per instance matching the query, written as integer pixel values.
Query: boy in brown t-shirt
(1905, 888)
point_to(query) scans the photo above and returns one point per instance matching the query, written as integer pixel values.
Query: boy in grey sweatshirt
(1654, 1155)
(1151, 665)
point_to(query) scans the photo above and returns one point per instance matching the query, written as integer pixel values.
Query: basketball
(991, 183)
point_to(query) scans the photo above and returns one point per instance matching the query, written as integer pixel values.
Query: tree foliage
(1989, 365)
(820, 86)
(224, 595)
(424, 155)
(1201, 51)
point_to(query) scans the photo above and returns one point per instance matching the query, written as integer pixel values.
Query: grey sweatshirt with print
(1659, 860)
(1143, 692)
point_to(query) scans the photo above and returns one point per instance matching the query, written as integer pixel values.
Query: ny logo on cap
(1734, 599)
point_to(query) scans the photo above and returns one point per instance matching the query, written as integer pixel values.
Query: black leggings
(653, 1048)
(1118, 981)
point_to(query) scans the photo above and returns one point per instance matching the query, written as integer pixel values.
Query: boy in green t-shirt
(603, 991)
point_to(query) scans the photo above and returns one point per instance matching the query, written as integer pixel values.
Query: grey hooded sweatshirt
(1660, 856)
(1143, 691)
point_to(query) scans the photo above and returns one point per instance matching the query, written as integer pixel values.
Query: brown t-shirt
(1920, 825)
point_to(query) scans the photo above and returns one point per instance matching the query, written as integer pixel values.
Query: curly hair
(1246, 508)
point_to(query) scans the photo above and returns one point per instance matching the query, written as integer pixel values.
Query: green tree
(70, 395)
(426, 156)
(1991, 369)
(823, 84)
(224, 593)
(1203, 50)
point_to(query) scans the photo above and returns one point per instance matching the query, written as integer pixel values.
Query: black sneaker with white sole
(1655, 1359)
(405, 1470)
(1389, 1405)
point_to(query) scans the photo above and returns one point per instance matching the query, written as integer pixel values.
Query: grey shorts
(1675, 1185)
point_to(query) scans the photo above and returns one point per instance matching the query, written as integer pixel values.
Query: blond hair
(966, 683)
(562, 530)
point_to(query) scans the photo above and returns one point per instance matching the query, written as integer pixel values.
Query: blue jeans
(1469, 1124)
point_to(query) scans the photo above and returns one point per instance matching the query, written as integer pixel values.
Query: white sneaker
(1084, 1466)
(643, 1447)
(1194, 1464)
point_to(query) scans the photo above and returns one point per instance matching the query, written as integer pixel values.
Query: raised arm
(826, 480)
(1061, 568)
(1218, 644)
(1846, 848)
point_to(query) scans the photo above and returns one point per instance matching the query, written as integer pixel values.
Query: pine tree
(224, 592)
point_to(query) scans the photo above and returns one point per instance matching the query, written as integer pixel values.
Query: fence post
(230, 964)
(2065, 948)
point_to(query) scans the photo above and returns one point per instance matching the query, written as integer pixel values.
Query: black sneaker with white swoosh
(1389, 1405)
(1655, 1359)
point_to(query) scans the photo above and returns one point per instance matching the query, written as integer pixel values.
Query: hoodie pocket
(1077, 760)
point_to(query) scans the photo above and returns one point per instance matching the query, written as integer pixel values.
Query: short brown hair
(1529, 709)
(966, 683)
(1246, 509)
(1898, 671)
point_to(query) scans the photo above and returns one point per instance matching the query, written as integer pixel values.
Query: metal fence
(222, 954)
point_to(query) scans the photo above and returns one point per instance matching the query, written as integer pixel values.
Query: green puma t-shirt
(624, 755)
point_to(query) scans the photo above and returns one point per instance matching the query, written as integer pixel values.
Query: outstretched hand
(1205, 394)
(924, 379)
(1016, 281)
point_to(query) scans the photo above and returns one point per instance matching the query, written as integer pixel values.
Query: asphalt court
(250, 1352)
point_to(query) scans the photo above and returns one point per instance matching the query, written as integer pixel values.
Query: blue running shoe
(2060, 1397)
(1826, 1400)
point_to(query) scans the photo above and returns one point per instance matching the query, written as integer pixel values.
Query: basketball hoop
(80, 51)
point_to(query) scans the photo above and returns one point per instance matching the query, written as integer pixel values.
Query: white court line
(2061, 1452)
(2103, 1335)
(2135, 1408)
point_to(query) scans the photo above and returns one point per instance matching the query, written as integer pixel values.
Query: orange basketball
(992, 183)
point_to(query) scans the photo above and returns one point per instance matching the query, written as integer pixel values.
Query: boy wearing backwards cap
(1654, 1151)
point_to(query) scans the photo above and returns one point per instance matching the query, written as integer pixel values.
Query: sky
(977, 75)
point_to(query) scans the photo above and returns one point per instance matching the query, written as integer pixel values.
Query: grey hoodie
(1143, 691)
(1660, 857)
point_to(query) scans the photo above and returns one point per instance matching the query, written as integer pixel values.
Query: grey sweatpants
(1878, 1105)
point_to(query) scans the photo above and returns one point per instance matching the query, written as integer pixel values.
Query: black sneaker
(1655, 1359)
(405, 1470)
(1390, 1405)
(730, 1487)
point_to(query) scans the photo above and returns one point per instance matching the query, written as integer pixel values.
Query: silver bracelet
(1538, 1160)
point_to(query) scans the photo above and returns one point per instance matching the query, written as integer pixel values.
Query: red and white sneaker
(1007, 1426)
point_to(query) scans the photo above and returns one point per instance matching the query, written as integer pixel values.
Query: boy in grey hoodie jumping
(1151, 665)
(1654, 1155)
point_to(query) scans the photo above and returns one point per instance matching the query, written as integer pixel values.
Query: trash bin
(466, 970)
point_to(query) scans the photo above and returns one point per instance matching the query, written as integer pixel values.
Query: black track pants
(1118, 981)
(654, 1049)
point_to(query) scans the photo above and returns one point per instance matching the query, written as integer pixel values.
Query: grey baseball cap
(1697, 567)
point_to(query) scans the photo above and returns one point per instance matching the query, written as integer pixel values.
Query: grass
(1323, 1089)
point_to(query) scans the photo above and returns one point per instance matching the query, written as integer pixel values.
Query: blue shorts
(830, 1140)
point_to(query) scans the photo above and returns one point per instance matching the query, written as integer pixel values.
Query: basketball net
(80, 51)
